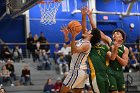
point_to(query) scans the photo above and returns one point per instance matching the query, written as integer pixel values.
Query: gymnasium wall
(115, 21)
(13, 30)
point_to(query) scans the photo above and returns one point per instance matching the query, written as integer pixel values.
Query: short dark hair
(121, 31)
(96, 36)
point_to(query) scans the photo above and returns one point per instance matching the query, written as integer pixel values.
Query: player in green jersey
(98, 57)
(115, 72)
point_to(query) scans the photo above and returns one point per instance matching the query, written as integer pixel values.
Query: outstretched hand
(89, 12)
(65, 31)
(84, 10)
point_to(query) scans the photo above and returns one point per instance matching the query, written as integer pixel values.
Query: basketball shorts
(117, 82)
(76, 79)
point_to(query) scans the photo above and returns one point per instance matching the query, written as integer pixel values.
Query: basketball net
(48, 11)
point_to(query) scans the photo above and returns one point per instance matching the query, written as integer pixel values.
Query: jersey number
(99, 52)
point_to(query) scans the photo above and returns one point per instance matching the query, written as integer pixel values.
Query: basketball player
(115, 72)
(77, 75)
(97, 58)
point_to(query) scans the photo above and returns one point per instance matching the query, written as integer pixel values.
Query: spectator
(138, 43)
(10, 67)
(65, 50)
(134, 65)
(35, 38)
(16, 54)
(136, 52)
(6, 53)
(2, 90)
(49, 87)
(34, 47)
(6, 76)
(37, 52)
(30, 46)
(21, 54)
(58, 85)
(63, 66)
(56, 52)
(43, 40)
(26, 76)
(44, 60)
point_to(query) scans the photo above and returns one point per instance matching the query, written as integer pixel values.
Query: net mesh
(48, 12)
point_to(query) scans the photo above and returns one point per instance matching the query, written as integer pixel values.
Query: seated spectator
(49, 87)
(63, 66)
(2, 90)
(37, 52)
(25, 76)
(6, 76)
(56, 52)
(17, 54)
(10, 67)
(58, 85)
(66, 51)
(6, 53)
(44, 60)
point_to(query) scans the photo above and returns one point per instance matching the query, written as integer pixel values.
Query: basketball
(75, 24)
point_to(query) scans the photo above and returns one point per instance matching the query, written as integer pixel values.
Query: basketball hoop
(48, 11)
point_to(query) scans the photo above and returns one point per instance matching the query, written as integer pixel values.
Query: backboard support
(17, 7)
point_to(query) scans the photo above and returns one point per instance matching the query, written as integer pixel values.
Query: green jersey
(115, 65)
(98, 57)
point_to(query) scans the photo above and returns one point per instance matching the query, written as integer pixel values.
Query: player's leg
(121, 83)
(113, 85)
(68, 82)
(93, 84)
(80, 82)
(64, 89)
(102, 82)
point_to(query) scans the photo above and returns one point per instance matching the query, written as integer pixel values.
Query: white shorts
(76, 79)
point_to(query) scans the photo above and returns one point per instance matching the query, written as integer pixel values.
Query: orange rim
(43, 2)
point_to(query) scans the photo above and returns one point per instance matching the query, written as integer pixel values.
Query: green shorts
(117, 82)
(102, 82)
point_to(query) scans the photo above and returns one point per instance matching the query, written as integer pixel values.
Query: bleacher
(38, 77)
(132, 82)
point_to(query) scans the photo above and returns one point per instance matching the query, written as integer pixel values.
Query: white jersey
(78, 60)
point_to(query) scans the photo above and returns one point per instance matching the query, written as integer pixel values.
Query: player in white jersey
(77, 76)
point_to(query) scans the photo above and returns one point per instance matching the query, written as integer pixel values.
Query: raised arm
(83, 12)
(104, 37)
